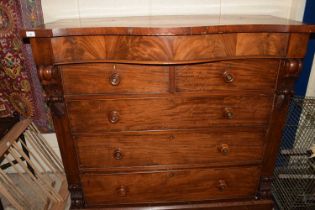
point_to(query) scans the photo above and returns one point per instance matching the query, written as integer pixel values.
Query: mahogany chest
(169, 112)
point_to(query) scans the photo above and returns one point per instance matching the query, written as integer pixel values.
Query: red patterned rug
(19, 86)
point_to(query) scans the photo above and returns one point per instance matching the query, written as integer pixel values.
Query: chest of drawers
(177, 112)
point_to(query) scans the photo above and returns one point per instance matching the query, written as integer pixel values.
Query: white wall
(60, 9)
(311, 82)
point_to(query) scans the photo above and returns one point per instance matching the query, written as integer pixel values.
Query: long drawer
(170, 186)
(167, 113)
(171, 148)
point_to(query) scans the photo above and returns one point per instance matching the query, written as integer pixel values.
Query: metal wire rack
(293, 186)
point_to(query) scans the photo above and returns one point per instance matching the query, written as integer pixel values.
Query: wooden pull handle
(224, 149)
(228, 77)
(114, 79)
(228, 113)
(221, 185)
(117, 154)
(122, 191)
(113, 117)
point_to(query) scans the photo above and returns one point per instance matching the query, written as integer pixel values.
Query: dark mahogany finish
(171, 185)
(172, 112)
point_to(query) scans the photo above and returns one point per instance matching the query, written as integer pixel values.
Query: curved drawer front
(234, 75)
(114, 79)
(170, 148)
(168, 48)
(172, 185)
(167, 113)
(229, 76)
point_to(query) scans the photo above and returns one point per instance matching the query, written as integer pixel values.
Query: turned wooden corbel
(292, 67)
(50, 80)
(47, 73)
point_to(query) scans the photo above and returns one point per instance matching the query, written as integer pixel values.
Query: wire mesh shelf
(293, 186)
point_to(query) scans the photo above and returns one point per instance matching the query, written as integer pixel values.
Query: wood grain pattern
(170, 186)
(170, 148)
(78, 48)
(249, 44)
(96, 79)
(167, 113)
(297, 45)
(167, 48)
(42, 51)
(246, 75)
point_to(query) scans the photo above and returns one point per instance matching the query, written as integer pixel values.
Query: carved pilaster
(264, 191)
(50, 80)
(289, 71)
(77, 201)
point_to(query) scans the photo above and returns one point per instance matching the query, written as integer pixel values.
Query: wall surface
(311, 82)
(61, 9)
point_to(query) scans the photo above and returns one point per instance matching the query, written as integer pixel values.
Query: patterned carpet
(19, 86)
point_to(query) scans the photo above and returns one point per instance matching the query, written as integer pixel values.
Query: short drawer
(173, 112)
(235, 75)
(114, 78)
(171, 186)
(230, 146)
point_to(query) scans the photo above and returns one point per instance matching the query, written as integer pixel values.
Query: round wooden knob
(221, 185)
(122, 191)
(114, 79)
(113, 117)
(224, 149)
(228, 113)
(228, 77)
(117, 154)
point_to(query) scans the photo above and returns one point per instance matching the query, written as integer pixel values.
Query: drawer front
(165, 49)
(171, 186)
(167, 113)
(257, 74)
(114, 78)
(170, 148)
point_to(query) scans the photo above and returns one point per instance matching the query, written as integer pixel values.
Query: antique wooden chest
(169, 112)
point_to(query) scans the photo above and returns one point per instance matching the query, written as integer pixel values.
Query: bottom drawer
(170, 186)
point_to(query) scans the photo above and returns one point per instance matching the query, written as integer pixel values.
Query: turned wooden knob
(224, 149)
(228, 77)
(228, 113)
(113, 117)
(114, 79)
(122, 191)
(117, 154)
(221, 185)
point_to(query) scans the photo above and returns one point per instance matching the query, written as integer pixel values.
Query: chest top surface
(169, 25)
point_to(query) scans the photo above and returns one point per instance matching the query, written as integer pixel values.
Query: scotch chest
(169, 112)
